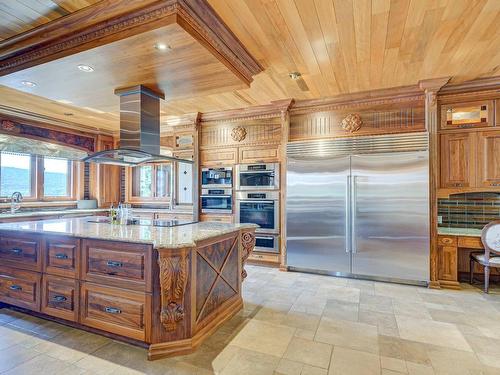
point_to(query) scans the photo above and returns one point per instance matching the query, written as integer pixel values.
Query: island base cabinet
(20, 288)
(119, 311)
(60, 297)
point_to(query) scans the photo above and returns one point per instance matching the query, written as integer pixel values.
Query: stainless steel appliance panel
(316, 211)
(263, 176)
(267, 243)
(216, 201)
(217, 177)
(390, 215)
(259, 207)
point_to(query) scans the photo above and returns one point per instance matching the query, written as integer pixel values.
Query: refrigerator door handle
(348, 215)
(353, 198)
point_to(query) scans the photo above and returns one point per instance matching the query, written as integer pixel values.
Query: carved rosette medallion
(351, 123)
(173, 280)
(248, 243)
(238, 133)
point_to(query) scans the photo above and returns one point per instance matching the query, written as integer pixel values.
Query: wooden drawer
(62, 256)
(124, 265)
(470, 242)
(60, 297)
(264, 257)
(20, 288)
(447, 241)
(218, 218)
(260, 154)
(20, 251)
(115, 310)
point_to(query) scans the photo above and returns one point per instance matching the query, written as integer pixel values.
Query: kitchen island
(164, 288)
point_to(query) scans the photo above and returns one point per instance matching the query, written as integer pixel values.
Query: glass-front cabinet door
(467, 115)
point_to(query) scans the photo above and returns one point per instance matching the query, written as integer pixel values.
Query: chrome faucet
(15, 201)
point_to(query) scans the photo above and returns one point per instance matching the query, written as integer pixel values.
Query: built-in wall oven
(217, 178)
(217, 201)
(259, 207)
(267, 243)
(263, 176)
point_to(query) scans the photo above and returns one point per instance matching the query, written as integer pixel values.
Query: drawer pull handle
(112, 263)
(16, 287)
(112, 310)
(59, 298)
(16, 251)
(494, 184)
(61, 256)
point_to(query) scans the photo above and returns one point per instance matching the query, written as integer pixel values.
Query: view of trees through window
(151, 181)
(18, 172)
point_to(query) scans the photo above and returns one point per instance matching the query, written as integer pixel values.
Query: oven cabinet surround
(165, 298)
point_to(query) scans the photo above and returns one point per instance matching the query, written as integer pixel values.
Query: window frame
(129, 176)
(37, 182)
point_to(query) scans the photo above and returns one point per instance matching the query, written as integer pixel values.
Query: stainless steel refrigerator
(361, 214)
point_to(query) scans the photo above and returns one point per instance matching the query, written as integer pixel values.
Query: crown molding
(359, 99)
(111, 20)
(480, 84)
(272, 110)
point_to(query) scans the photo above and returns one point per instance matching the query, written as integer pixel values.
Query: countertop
(90, 211)
(159, 237)
(466, 232)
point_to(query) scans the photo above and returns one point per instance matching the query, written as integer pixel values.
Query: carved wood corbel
(173, 281)
(247, 243)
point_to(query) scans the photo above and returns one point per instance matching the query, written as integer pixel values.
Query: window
(37, 178)
(16, 174)
(56, 177)
(150, 182)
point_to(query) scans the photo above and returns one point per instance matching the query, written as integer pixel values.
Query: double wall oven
(217, 190)
(257, 201)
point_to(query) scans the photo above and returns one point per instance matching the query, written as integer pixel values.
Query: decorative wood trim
(96, 25)
(431, 88)
(362, 99)
(480, 84)
(285, 129)
(249, 113)
(173, 281)
(82, 142)
(247, 246)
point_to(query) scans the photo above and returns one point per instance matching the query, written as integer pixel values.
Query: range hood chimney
(139, 130)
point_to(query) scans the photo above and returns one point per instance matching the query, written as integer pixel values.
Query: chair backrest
(490, 236)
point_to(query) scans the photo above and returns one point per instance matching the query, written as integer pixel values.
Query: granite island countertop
(465, 232)
(159, 237)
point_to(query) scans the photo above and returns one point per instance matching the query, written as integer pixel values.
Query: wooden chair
(490, 236)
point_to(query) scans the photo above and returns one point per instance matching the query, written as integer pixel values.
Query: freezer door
(316, 202)
(390, 216)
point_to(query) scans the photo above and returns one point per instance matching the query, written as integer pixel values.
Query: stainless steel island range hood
(139, 130)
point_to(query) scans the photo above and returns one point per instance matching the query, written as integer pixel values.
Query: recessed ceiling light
(294, 75)
(28, 83)
(85, 68)
(64, 101)
(68, 114)
(162, 47)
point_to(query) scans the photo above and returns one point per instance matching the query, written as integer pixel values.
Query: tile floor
(292, 324)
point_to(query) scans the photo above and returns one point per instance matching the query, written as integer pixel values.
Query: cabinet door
(488, 169)
(185, 184)
(457, 160)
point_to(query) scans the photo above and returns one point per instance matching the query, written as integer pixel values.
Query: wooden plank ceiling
(338, 46)
(18, 16)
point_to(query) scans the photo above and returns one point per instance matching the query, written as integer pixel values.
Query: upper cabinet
(457, 160)
(488, 168)
(467, 115)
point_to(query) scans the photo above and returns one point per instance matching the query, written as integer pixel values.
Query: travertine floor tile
(431, 332)
(264, 338)
(357, 336)
(247, 362)
(309, 352)
(346, 361)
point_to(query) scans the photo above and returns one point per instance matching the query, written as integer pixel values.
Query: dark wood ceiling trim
(113, 20)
